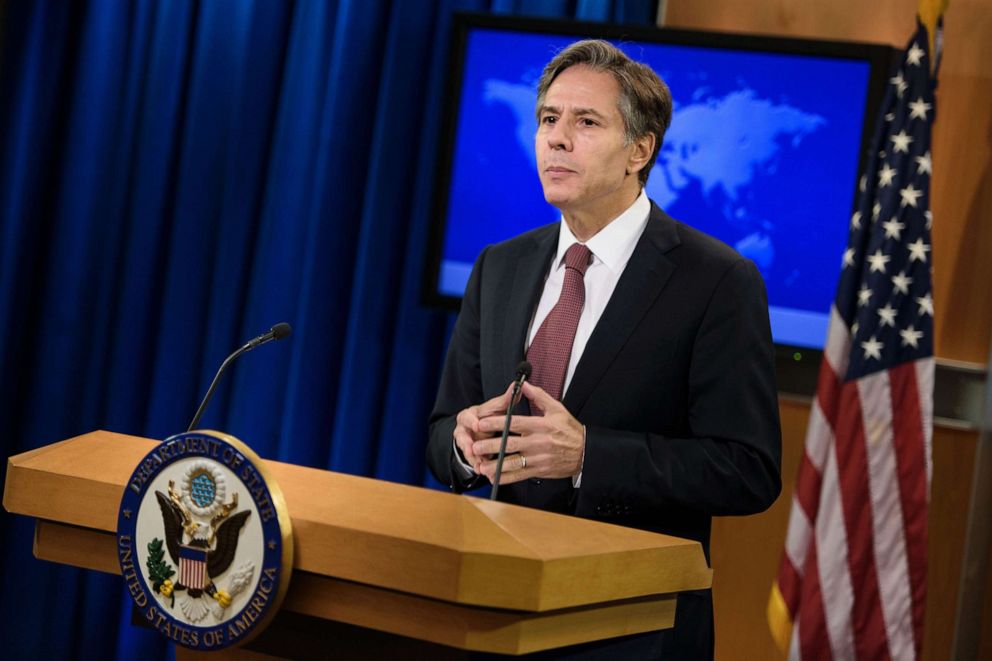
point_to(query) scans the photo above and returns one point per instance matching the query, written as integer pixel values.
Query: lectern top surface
(392, 535)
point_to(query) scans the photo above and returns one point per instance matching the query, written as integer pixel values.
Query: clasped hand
(550, 445)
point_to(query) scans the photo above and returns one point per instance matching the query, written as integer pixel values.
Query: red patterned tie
(552, 346)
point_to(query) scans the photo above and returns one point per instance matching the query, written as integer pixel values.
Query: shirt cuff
(460, 464)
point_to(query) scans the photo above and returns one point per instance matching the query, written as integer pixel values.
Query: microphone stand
(523, 372)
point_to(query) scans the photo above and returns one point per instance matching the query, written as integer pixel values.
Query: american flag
(852, 582)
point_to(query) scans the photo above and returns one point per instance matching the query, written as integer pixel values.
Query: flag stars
(915, 55)
(884, 289)
(900, 84)
(873, 348)
(918, 109)
(886, 175)
(918, 250)
(878, 261)
(902, 282)
(911, 337)
(909, 196)
(893, 229)
(901, 142)
(864, 296)
(887, 316)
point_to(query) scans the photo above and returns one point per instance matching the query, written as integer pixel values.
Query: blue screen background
(762, 154)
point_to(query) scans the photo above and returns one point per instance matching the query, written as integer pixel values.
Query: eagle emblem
(201, 536)
(204, 570)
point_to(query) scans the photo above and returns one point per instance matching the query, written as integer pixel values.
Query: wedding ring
(523, 462)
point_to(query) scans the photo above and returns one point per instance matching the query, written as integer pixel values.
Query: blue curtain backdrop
(176, 177)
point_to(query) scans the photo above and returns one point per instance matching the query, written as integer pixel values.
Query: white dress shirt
(611, 249)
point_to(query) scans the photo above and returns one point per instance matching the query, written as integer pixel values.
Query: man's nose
(559, 137)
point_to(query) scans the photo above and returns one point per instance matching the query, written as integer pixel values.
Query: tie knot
(577, 257)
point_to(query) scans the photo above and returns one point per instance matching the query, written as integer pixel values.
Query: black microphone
(523, 373)
(277, 332)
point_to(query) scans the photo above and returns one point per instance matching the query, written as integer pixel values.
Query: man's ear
(641, 153)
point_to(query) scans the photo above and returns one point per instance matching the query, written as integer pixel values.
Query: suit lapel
(639, 286)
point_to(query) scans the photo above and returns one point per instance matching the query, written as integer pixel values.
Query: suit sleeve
(729, 461)
(461, 386)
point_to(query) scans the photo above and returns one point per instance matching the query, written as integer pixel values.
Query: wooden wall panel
(953, 459)
(746, 551)
(962, 185)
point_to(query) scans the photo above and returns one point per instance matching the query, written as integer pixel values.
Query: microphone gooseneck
(277, 332)
(523, 373)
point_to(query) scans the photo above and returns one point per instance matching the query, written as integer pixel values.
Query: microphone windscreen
(524, 368)
(281, 331)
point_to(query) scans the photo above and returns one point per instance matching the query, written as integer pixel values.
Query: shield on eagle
(193, 567)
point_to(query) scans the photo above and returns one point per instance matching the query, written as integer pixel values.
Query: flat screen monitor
(764, 150)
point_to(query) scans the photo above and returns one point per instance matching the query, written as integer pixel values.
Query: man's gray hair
(645, 102)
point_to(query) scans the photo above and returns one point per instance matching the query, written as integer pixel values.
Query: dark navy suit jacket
(676, 388)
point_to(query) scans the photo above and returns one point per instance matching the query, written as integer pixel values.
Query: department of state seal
(204, 541)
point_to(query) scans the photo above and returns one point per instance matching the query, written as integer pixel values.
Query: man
(669, 413)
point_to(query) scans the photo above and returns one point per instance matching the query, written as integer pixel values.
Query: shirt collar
(614, 244)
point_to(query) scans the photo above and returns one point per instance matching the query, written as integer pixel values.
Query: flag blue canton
(884, 295)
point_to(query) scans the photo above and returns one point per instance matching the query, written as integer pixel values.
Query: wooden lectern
(391, 566)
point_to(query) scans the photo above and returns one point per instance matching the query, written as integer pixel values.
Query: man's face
(581, 157)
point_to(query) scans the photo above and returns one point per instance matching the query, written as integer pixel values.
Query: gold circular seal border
(285, 526)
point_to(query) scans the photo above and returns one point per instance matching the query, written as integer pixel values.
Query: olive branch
(159, 570)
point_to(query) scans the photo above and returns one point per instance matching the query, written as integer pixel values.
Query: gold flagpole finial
(930, 12)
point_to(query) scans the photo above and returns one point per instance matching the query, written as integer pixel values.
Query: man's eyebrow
(580, 112)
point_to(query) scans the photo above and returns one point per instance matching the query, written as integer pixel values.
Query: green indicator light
(797, 356)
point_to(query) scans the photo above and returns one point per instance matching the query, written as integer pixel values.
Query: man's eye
(588, 122)
(549, 119)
